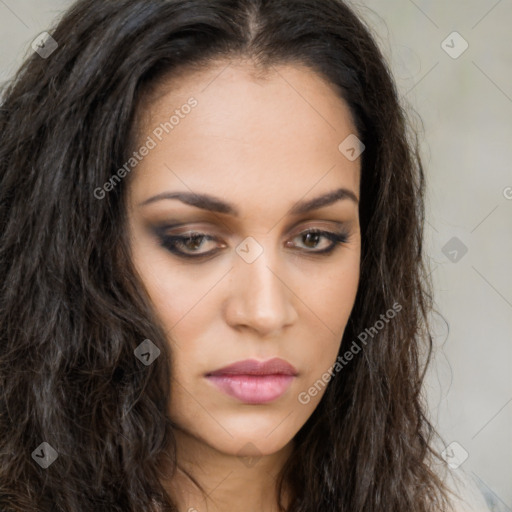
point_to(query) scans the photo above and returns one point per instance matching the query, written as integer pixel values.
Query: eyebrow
(215, 204)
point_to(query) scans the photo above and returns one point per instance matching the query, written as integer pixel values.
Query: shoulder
(467, 496)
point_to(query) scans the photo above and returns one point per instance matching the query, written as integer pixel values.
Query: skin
(261, 143)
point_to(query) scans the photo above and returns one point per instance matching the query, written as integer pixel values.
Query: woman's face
(256, 154)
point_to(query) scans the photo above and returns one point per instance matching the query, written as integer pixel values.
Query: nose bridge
(259, 297)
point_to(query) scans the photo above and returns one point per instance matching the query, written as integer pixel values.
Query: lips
(254, 382)
(275, 366)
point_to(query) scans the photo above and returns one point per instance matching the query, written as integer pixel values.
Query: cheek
(328, 301)
(184, 299)
(176, 291)
(328, 294)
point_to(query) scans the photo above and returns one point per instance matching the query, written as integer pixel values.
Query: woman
(213, 289)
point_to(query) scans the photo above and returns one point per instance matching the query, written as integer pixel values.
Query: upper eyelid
(191, 233)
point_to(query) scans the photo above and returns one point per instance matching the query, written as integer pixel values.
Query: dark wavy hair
(72, 308)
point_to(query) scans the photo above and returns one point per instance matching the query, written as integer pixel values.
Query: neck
(230, 482)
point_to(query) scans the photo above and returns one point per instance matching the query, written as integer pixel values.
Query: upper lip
(274, 366)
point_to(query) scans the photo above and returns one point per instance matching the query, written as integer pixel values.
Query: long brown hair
(72, 310)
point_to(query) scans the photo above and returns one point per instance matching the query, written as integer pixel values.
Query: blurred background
(452, 62)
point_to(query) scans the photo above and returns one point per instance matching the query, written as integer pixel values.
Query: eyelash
(171, 242)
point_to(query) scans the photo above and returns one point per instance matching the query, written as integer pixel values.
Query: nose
(259, 296)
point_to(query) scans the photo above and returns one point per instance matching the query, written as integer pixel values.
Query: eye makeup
(188, 244)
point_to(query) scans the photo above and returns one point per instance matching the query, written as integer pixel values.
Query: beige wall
(465, 102)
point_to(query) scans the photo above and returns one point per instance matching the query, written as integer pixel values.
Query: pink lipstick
(254, 382)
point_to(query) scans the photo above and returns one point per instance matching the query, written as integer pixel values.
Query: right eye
(191, 242)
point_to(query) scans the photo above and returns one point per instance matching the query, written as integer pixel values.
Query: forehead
(249, 134)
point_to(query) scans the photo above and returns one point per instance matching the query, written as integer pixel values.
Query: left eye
(311, 238)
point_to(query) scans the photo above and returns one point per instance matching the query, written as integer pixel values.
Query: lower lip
(253, 389)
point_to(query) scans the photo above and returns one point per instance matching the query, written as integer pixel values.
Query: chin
(263, 439)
